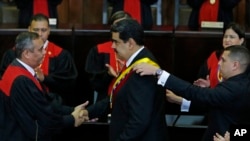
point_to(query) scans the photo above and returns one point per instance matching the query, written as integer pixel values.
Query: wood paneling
(63, 12)
(92, 11)
(78, 12)
(75, 11)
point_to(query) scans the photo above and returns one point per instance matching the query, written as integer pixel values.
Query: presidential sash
(121, 79)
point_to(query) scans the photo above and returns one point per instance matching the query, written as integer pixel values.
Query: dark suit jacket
(228, 102)
(138, 112)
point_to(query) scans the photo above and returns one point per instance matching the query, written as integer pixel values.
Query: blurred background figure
(138, 9)
(211, 10)
(27, 8)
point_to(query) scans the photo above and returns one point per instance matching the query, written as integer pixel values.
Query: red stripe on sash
(120, 85)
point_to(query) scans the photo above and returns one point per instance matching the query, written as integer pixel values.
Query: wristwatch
(158, 72)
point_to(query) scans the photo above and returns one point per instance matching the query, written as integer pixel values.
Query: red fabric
(52, 50)
(107, 48)
(118, 86)
(133, 7)
(208, 11)
(11, 73)
(214, 76)
(41, 6)
(110, 89)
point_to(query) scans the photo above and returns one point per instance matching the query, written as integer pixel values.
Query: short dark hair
(239, 53)
(129, 28)
(39, 17)
(24, 40)
(119, 15)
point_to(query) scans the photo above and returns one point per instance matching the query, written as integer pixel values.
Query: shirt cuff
(163, 78)
(185, 105)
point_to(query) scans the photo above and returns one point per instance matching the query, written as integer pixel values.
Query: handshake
(81, 115)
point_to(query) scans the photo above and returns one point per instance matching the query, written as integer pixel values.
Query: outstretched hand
(202, 82)
(218, 137)
(82, 106)
(173, 98)
(145, 69)
(83, 114)
(80, 114)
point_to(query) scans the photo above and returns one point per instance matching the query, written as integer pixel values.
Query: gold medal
(212, 1)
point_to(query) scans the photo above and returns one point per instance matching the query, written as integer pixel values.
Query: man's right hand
(173, 98)
(80, 114)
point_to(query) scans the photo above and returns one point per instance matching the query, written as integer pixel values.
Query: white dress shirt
(185, 105)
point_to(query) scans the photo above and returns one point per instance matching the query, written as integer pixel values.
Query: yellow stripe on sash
(143, 60)
(125, 72)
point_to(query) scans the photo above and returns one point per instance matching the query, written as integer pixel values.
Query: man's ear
(236, 65)
(131, 42)
(242, 41)
(26, 54)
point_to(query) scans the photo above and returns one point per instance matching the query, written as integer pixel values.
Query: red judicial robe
(224, 14)
(211, 68)
(99, 78)
(97, 57)
(31, 114)
(58, 66)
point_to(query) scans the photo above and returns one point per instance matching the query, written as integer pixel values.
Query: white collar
(31, 70)
(131, 58)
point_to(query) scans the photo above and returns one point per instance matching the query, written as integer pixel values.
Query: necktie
(36, 76)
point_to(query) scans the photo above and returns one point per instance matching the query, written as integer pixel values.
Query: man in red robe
(211, 10)
(57, 71)
(28, 8)
(28, 111)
